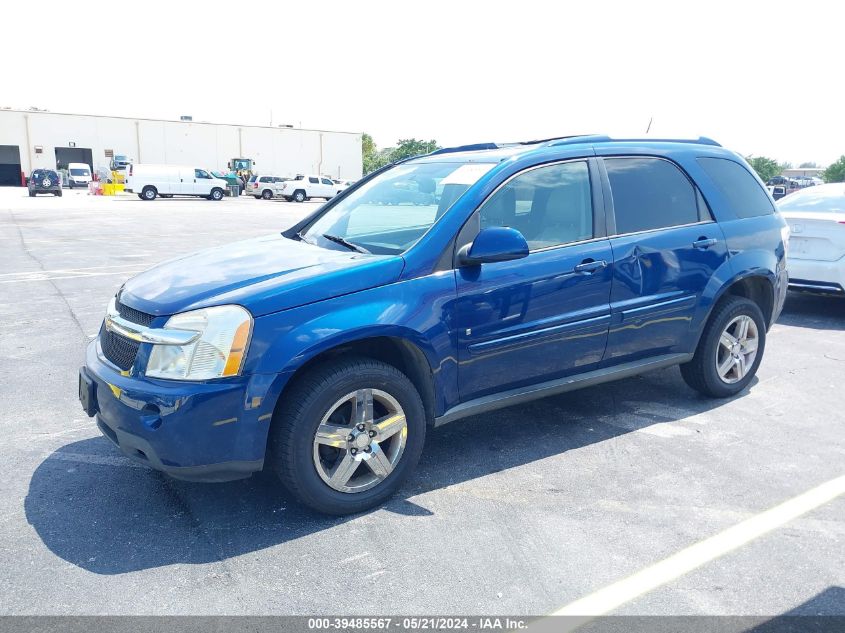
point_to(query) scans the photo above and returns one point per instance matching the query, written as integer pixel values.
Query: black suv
(45, 181)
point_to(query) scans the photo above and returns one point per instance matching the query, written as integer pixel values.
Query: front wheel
(730, 349)
(349, 433)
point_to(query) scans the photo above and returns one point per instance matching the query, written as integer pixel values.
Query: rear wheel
(266, 194)
(349, 433)
(730, 349)
(299, 195)
(148, 193)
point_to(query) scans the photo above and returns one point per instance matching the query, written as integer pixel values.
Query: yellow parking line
(613, 596)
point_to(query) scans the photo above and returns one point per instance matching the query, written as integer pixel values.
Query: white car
(816, 253)
(267, 187)
(166, 181)
(305, 187)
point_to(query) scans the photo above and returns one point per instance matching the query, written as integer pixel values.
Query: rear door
(666, 248)
(544, 316)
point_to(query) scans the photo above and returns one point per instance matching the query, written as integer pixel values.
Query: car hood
(265, 275)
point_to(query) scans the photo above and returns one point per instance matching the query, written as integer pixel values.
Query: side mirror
(494, 244)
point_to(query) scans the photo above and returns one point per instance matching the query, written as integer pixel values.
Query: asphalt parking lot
(521, 511)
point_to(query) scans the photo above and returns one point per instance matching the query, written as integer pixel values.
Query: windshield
(79, 172)
(816, 199)
(388, 214)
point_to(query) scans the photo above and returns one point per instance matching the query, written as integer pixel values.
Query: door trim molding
(561, 385)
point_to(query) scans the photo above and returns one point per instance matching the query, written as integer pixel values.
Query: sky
(762, 78)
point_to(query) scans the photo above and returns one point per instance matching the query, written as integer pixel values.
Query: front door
(666, 248)
(544, 316)
(202, 182)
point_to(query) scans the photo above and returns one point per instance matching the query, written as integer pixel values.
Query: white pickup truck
(307, 186)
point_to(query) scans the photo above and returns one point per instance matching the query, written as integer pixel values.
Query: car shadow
(817, 312)
(95, 509)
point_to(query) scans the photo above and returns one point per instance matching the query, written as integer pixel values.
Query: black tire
(216, 194)
(701, 373)
(299, 196)
(266, 194)
(308, 400)
(148, 193)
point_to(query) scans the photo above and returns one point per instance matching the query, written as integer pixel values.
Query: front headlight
(218, 352)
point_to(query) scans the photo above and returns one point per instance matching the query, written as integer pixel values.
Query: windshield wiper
(343, 242)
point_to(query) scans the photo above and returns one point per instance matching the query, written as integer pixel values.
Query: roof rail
(701, 140)
(474, 147)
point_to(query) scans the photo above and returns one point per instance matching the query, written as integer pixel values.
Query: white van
(149, 181)
(78, 175)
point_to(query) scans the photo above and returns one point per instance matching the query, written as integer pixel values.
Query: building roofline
(135, 118)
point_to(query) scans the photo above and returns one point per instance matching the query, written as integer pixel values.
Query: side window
(313, 180)
(549, 205)
(650, 193)
(743, 192)
(326, 181)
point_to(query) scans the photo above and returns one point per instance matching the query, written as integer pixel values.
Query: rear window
(745, 195)
(650, 193)
(815, 199)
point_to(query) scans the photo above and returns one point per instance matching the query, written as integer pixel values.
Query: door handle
(590, 266)
(703, 243)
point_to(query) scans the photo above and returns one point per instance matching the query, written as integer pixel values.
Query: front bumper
(199, 431)
(817, 276)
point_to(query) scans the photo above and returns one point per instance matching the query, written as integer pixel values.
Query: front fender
(418, 311)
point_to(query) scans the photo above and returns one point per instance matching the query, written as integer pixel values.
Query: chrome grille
(119, 350)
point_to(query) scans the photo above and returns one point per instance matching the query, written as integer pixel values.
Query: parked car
(78, 175)
(305, 187)
(44, 181)
(324, 352)
(149, 181)
(816, 218)
(119, 162)
(267, 187)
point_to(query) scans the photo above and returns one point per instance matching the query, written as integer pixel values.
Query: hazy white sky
(763, 78)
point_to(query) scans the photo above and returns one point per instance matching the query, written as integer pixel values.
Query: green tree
(808, 165)
(836, 172)
(766, 168)
(408, 147)
(371, 158)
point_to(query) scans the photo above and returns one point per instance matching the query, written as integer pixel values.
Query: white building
(33, 139)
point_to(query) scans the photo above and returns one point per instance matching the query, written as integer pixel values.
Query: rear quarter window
(742, 191)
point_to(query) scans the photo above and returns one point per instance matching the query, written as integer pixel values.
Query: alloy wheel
(737, 349)
(360, 440)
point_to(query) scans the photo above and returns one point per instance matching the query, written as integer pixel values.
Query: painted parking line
(613, 596)
(37, 276)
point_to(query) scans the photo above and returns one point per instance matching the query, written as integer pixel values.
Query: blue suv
(444, 286)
